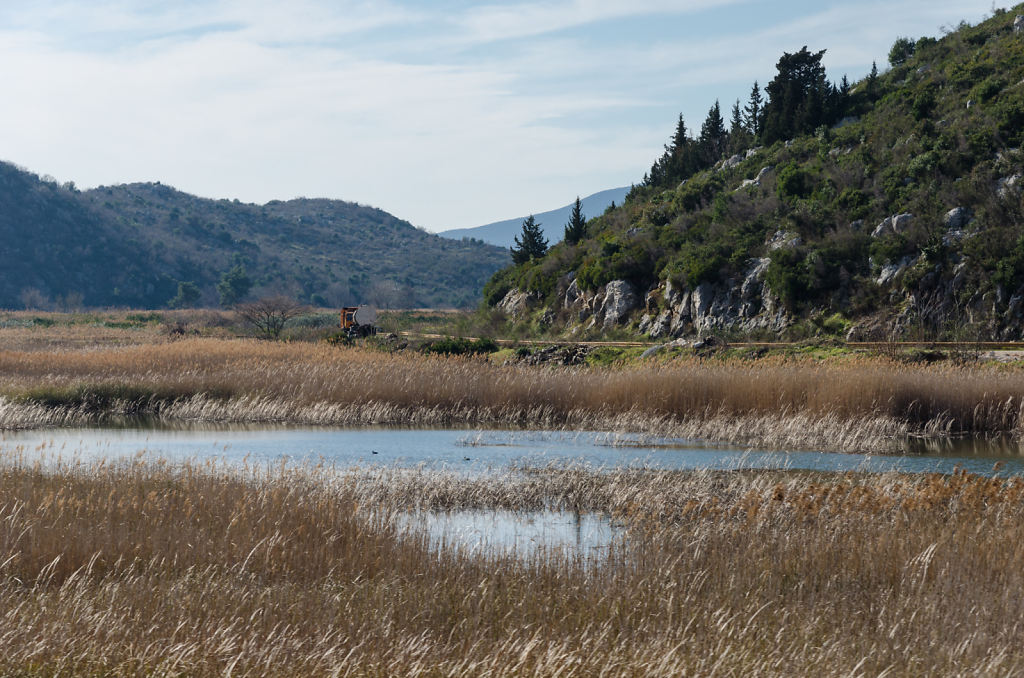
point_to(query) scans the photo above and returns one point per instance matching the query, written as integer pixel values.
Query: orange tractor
(359, 321)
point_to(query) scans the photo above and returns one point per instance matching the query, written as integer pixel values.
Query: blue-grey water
(483, 451)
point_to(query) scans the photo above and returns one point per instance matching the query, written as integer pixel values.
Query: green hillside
(132, 245)
(893, 203)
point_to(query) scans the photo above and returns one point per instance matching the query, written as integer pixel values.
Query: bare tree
(32, 299)
(270, 314)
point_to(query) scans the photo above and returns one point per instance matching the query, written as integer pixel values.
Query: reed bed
(867, 406)
(135, 568)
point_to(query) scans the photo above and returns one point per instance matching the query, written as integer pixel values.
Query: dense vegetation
(150, 246)
(806, 172)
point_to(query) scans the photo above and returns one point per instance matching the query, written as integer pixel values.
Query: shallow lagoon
(481, 452)
(477, 451)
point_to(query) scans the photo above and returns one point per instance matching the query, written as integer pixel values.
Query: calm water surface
(477, 451)
(482, 451)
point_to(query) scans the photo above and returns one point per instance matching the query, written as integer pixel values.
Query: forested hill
(135, 245)
(889, 204)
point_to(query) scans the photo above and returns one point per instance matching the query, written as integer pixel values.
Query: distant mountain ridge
(502, 233)
(132, 245)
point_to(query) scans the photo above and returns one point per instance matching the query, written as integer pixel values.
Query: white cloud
(310, 99)
(516, 20)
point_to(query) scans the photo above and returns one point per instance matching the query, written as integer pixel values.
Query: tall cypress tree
(681, 138)
(739, 137)
(713, 136)
(753, 110)
(530, 244)
(871, 86)
(576, 229)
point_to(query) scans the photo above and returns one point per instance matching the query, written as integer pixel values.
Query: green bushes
(794, 182)
(787, 277)
(460, 346)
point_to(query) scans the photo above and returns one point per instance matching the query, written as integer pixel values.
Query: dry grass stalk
(130, 569)
(842, 407)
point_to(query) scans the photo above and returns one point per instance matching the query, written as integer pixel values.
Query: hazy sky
(448, 114)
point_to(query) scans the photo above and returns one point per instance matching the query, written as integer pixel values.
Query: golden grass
(856, 405)
(146, 569)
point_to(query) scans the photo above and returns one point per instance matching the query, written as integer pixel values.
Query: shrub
(498, 286)
(793, 182)
(901, 51)
(924, 105)
(460, 346)
(787, 277)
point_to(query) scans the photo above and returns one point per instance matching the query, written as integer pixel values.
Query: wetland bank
(859, 403)
(138, 565)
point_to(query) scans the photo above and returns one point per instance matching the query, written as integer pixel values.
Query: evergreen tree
(901, 51)
(234, 285)
(736, 123)
(188, 295)
(753, 110)
(680, 139)
(798, 97)
(531, 244)
(576, 229)
(871, 86)
(713, 136)
(739, 137)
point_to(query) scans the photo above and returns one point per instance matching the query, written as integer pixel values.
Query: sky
(449, 114)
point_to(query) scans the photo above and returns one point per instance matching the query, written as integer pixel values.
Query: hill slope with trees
(888, 205)
(150, 246)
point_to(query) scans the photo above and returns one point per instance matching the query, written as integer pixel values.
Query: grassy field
(127, 569)
(867, 404)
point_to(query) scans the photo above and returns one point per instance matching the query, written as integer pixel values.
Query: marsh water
(487, 451)
(481, 451)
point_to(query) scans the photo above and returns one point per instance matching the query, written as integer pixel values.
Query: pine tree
(871, 86)
(736, 123)
(739, 137)
(798, 97)
(753, 110)
(680, 139)
(713, 136)
(576, 229)
(531, 244)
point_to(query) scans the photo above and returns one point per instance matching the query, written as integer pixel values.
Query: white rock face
(573, 295)
(702, 298)
(898, 223)
(754, 279)
(515, 303)
(901, 222)
(1018, 24)
(673, 295)
(660, 326)
(765, 171)
(892, 271)
(732, 162)
(883, 228)
(1009, 187)
(620, 299)
(784, 239)
(957, 218)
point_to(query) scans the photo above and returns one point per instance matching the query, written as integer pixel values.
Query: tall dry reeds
(843, 406)
(148, 569)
